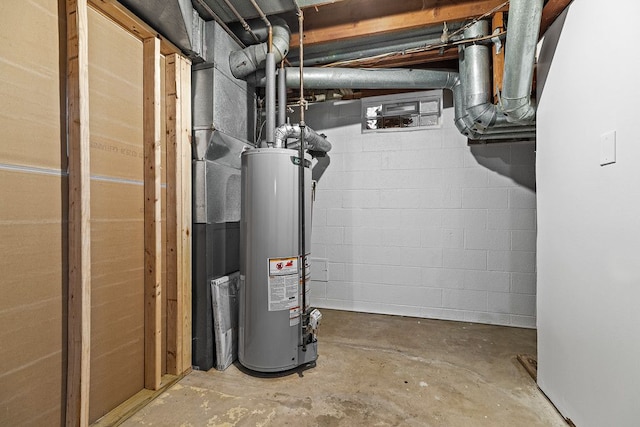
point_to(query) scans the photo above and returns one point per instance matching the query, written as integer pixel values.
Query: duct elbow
(483, 115)
(281, 38)
(246, 61)
(463, 126)
(519, 110)
(283, 132)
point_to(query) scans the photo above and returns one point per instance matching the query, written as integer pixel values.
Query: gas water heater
(276, 327)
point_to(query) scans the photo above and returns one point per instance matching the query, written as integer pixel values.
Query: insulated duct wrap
(313, 140)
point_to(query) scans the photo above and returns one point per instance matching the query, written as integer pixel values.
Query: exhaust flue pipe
(248, 60)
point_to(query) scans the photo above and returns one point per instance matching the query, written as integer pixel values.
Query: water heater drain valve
(314, 320)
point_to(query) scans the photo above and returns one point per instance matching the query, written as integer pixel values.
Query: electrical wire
(425, 48)
(377, 58)
(221, 22)
(243, 22)
(491, 12)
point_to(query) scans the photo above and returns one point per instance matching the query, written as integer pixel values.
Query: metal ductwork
(522, 38)
(400, 78)
(248, 60)
(313, 140)
(476, 116)
(364, 78)
(476, 81)
(177, 20)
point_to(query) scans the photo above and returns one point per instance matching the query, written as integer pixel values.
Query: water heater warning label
(283, 283)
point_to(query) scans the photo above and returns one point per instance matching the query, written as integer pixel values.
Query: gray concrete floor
(374, 370)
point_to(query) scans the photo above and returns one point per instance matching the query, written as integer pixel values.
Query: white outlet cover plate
(608, 148)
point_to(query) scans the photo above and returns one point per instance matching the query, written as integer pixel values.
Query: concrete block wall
(421, 224)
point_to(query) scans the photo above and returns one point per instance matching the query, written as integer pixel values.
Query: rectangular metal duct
(246, 9)
(176, 20)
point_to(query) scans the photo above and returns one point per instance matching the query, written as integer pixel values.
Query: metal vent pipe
(401, 78)
(522, 39)
(474, 63)
(476, 116)
(365, 78)
(248, 60)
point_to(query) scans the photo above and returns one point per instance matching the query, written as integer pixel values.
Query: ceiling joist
(406, 59)
(551, 11)
(398, 22)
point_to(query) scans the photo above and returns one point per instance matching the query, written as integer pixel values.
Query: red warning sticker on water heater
(283, 283)
(282, 266)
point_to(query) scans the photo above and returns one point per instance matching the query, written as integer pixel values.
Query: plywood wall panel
(30, 84)
(115, 85)
(32, 216)
(34, 212)
(117, 316)
(117, 215)
(32, 231)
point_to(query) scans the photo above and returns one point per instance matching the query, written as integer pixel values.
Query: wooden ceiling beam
(399, 22)
(551, 11)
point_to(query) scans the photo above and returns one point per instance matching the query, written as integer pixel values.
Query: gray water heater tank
(270, 330)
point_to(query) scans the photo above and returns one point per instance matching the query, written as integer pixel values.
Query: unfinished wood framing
(497, 23)
(178, 102)
(406, 59)
(152, 214)
(79, 292)
(398, 22)
(550, 13)
(123, 17)
(186, 205)
(129, 407)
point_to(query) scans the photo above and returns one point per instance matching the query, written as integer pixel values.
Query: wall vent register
(410, 111)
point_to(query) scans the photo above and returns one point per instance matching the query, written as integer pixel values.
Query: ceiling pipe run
(248, 60)
(371, 46)
(366, 78)
(401, 78)
(242, 21)
(475, 115)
